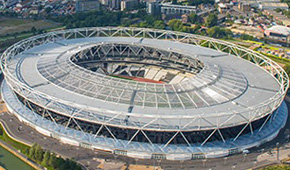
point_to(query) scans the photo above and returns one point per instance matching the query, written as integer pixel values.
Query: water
(11, 162)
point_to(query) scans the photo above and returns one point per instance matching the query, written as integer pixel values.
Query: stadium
(145, 93)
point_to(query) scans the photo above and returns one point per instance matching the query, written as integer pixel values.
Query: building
(104, 2)
(115, 4)
(278, 33)
(224, 8)
(278, 18)
(266, 4)
(170, 9)
(112, 4)
(176, 11)
(133, 93)
(244, 7)
(273, 6)
(87, 5)
(252, 3)
(222, 18)
(9, 3)
(153, 8)
(268, 1)
(128, 4)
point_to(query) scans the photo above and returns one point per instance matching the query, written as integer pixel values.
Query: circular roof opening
(138, 63)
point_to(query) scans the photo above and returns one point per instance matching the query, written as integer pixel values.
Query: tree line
(210, 23)
(144, 20)
(50, 160)
(110, 18)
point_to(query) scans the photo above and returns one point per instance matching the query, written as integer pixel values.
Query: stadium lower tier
(160, 137)
(82, 133)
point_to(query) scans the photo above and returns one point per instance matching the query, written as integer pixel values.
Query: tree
(278, 10)
(38, 153)
(126, 22)
(287, 69)
(33, 30)
(194, 18)
(196, 28)
(229, 16)
(46, 158)
(174, 1)
(175, 25)
(48, 10)
(40, 7)
(211, 20)
(143, 24)
(53, 160)
(32, 151)
(247, 37)
(150, 19)
(218, 32)
(159, 24)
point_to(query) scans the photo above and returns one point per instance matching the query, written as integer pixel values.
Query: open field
(17, 25)
(14, 25)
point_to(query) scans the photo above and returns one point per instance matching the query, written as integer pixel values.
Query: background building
(170, 9)
(278, 33)
(244, 7)
(225, 7)
(278, 18)
(153, 8)
(87, 5)
(128, 4)
(273, 6)
(8, 3)
(112, 4)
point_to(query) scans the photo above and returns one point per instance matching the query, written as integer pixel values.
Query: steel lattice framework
(95, 120)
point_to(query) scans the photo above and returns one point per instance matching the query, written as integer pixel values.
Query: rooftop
(280, 29)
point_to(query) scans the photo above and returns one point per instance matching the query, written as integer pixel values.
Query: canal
(11, 162)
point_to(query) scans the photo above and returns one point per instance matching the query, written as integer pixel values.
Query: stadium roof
(227, 85)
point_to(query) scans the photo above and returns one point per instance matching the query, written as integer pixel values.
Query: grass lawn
(277, 59)
(277, 167)
(14, 25)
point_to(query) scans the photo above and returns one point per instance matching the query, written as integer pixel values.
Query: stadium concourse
(145, 93)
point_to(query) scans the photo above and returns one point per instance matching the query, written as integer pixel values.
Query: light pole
(159, 162)
(115, 156)
(181, 164)
(233, 167)
(203, 162)
(255, 162)
(225, 160)
(245, 157)
(277, 145)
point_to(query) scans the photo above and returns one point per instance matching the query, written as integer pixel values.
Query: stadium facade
(145, 93)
